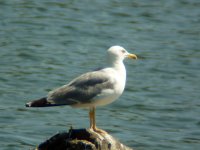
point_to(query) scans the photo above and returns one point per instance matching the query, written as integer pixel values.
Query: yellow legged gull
(92, 89)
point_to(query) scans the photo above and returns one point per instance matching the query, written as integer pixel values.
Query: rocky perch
(82, 139)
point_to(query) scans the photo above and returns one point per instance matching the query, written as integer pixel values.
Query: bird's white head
(118, 53)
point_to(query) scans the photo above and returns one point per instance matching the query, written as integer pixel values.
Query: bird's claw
(99, 131)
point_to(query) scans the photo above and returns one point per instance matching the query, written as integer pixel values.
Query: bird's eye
(123, 51)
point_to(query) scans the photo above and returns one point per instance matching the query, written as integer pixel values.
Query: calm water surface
(44, 44)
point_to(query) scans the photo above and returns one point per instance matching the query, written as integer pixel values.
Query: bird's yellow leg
(93, 121)
(91, 118)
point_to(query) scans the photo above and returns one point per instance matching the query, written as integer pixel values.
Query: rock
(82, 139)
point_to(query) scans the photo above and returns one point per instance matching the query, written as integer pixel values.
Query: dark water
(44, 44)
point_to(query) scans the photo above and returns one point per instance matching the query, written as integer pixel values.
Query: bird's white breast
(107, 96)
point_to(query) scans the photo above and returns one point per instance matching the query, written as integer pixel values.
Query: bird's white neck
(120, 68)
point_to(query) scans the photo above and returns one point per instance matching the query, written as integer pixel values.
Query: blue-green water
(44, 44)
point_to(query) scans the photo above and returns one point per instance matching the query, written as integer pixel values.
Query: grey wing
(81, 89)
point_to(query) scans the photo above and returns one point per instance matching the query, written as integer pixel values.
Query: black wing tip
(37, 103)
(41, 103)
(28, 104)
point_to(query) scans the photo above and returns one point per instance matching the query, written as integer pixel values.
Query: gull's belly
(98, 101)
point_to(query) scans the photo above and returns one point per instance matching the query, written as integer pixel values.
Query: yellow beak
(132, 56)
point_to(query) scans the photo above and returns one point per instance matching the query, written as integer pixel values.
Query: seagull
(91, 89)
